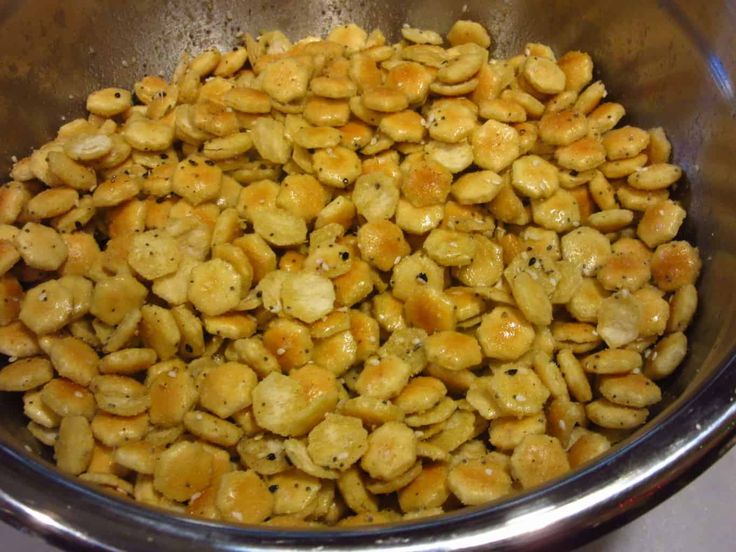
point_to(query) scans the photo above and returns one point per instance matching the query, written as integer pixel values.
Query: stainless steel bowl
(671, 62)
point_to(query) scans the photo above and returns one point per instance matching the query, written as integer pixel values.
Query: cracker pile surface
(341, 281)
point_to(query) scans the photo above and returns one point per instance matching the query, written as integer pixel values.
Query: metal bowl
(670, 62)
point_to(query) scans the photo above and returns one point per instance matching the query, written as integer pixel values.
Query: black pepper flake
(192, 162)
(188, 348)
(101, 239)
(532, 261)
(344, 255)
(345, 181)
(273, 488)
(117, 94)
(271, 456)
(423, 277)
(164, 156)
(511, 372)
(210, 162)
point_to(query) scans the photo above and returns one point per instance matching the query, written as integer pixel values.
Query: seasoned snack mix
(342, 281)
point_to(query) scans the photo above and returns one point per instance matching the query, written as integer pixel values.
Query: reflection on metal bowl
(670, 62)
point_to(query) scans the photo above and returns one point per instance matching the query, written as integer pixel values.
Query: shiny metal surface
(699, 517)
(672, 63)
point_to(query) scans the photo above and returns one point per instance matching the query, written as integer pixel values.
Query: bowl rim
(676, 446)
(673, 448)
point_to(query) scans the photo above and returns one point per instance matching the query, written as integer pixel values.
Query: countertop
(699, 517)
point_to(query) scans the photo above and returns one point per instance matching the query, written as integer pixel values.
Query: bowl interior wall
(667, 62)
